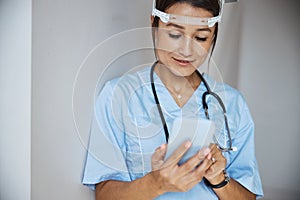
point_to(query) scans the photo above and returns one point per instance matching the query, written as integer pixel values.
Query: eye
(201, 39)
(174, 36)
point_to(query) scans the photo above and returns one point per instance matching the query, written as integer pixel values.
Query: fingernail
(162, 147)
(209, 156)
(188, 144)
(206, 151)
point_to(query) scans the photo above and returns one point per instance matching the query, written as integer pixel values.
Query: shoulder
(227, 93)
(126, 82)
(232, 98)
(238, 114)
(119, 89)
(130, 79)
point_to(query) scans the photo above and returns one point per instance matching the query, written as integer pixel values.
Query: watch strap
(219, 185)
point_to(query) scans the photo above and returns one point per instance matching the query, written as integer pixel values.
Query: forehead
(185, 9)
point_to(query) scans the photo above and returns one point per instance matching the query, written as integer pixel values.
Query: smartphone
(199, 131)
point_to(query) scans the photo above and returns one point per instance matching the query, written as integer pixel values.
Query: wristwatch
(220, 185)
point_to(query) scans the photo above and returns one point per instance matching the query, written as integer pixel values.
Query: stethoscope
(205, 106)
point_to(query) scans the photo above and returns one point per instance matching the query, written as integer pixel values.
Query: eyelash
(174, 36)
(177, 36)
(201, 39)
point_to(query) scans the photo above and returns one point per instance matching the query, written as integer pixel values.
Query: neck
(180, 85)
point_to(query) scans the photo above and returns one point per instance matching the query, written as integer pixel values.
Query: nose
(186, 47)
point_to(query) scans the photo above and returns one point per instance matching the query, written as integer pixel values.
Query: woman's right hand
(172, 177)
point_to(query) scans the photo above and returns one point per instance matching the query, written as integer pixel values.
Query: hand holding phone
(199, 131)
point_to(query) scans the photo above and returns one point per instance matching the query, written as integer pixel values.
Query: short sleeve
(105, 158)
(243, 165)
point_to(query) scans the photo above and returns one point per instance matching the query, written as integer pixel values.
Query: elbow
(100, 190)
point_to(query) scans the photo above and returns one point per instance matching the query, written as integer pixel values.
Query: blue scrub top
(127, 129)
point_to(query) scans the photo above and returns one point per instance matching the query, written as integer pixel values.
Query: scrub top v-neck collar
(168, 103)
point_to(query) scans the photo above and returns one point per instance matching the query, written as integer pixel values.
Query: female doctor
(184, 32)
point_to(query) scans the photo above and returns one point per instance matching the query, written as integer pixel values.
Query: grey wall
(227, 51)
(269, 77)
(64, 33)
(15, 86)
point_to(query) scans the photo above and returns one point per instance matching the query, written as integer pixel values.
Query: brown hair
(212, 6)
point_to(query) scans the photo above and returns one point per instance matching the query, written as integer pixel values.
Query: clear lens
(174, 47)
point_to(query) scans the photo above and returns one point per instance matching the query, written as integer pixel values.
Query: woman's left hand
(215, 174)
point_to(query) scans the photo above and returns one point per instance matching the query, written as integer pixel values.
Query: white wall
(15, 83)
(269, 78)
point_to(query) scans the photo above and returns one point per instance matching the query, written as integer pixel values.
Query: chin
(186, 71)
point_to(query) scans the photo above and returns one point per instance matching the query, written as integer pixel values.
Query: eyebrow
(181, 27)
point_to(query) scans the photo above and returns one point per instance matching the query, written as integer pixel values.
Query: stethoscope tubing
(205, 106)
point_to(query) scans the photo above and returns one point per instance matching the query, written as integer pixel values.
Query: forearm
(144, 188)
(218, 180)
(234, 191)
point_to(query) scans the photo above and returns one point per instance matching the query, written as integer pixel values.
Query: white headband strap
(166, 18)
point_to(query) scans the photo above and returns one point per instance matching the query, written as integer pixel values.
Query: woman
(130, 111)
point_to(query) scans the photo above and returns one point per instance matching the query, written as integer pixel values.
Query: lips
(182, 62)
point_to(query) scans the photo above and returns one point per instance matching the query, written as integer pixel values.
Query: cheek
(164, 43)
(201, 53)
(163, 56)
(201, 49)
